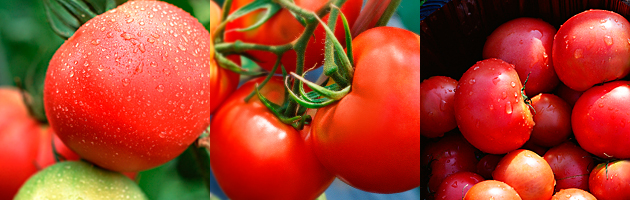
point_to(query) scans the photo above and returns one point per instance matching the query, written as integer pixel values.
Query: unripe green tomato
(79, 180)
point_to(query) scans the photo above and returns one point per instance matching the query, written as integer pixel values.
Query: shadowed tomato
(256, 156)
(379, 119)
(283, 28)
(222, 81)
(491, 189)
(448, 156)
(571, 166)
(436, 106)
(489, 107)
(526, 43)
(528, 173)
(610, 180)
(601, 119)
(553, 120)
(455, 186)
(46, 157)
(487, 164)
(592, 47)
(567, 94)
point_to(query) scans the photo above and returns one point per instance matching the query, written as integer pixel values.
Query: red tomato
(215, 17)
(540, 150)
(528, 173)
(45, 156)
(573, 194)
(491, 189)
(571, 166)
(610, 180)
(455, 186)
(567, 94)
(376, 149)
(448, 156)
(487, 164)
(489, 107)
(553, 120)
(592, 47)
(130, 89)
(436, 106)
(526, 43)
(283, 28)
(19, 141)
(599, 120)
(256, 156)
(222, 81)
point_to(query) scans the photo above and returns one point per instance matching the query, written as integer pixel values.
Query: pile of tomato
(543, 116)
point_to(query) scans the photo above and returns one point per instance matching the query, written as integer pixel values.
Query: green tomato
(79, 180)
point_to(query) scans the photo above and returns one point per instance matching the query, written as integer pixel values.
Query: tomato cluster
(542, 116)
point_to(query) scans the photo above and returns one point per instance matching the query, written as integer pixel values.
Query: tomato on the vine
(283, 28)
(609, 180)
(130, 89)
(370, 139)
(256, 156)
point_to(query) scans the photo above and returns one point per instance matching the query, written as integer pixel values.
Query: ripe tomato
(19, 141)
(592, 47)
(526, 43)
(610, 180)
(256, 156)
(370, 139)
(130, 89)
(489, 107)
(436, 106)
(599, 120)
(487, 164)
(222, 81)
(45, 156)
(553, 120)
(571, 166)
(79, 180)
(455, 186)
(528, 173)
(573, 194)
(283, 28)
(567, 94)
(448, 156)
(491, 189)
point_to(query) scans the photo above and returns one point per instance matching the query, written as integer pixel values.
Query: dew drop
(141, 47)
(110, 34)
(184, 49)
(96, 42)
(126, 36)
(160, 88)
(513, 84)
(125, 82)
(508, 108)
(100, 68)
(71, 73)
(151, 40)
(471, 81)
(503, 95)
(129, 20)
(153, 64)
(578, 53)
(159, 112)
(608, 40)
(496, 80)
(442, 105)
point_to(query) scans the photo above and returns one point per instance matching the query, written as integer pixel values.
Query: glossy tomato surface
(256, 156)
(130, 89)
(436, 106)
(571, 166)
(573, 194)
(491, 189)
(528, 173)
(283, 28)
(600, 118)
(370, 139)
(592, 47)
(455, 186)
(448, 156)
(552, 116)
(526, 43)
(489, 107)
(19, 142)
(610, 180)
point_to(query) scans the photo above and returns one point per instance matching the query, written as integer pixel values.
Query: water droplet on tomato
(601, 105)
(125, 82)
(129, 20)
(160, 88)
(513, 84)
(577, 53)
(162, 134)
(491, 107)
(71, 73)
(151, 40)
(442, 105)
(153, 64)
(126, 36)
(141, 48)
(608, 40)
(96, 42)
(495, 80)
(508, 108)
(184, 49)
(471, 81)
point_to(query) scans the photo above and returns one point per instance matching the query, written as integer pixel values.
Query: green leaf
(270, 7)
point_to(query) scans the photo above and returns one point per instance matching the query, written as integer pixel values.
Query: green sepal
(271, 7)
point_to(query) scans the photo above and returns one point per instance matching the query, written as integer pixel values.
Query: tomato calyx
(66, 16)
(527, 100)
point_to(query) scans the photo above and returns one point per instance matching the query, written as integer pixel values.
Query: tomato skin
(283, 28)
(573, 194)
(567, 94)
(487, 164)
(376, 149)
(455, 186)
(528, 173)
(610, 180)
(448, 156)
(526, 43)
(122, 99)
(436, 106)
(552, 116)
(19, 141)
(222, 81)
(491, 189)
(599, 120)
(590, 48)
(571, 166)
(45, 156)
(489, 108)
(256, 156)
